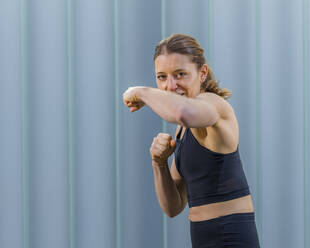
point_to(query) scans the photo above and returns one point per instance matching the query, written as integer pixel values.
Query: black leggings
(233, 230)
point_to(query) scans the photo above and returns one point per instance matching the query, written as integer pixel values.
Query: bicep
(205, 110)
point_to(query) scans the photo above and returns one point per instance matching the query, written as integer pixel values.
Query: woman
(206, 171)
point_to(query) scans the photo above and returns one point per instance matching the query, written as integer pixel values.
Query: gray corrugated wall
(75, 169)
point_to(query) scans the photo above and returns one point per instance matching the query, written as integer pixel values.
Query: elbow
(172, 215)
(175, 212)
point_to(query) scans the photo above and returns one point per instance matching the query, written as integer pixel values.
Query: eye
(181, 74)
(160, 77)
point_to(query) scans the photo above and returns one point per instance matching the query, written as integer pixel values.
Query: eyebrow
(174, 71)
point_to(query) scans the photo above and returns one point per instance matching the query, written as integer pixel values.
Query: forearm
(166, 104)
(166, 190)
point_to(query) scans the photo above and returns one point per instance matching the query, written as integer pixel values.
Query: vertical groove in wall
(117, 135)
(164, 124)
(259, 169)
(163, 19)
(25, 123)
(71, 162)
(306, 88)
(210, 34)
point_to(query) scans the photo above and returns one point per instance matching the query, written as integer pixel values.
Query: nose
(171, 84)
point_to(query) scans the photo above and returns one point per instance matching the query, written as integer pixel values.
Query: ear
(203, 72)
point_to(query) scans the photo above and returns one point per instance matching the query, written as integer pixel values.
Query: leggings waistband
(230, 217)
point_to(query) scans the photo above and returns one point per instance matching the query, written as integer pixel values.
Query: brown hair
(187, 45)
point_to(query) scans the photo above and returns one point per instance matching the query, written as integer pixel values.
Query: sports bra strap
(179, 133)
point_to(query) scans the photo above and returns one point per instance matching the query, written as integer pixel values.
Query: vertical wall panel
(117, 102)
(24, 83)
(306, 89)
(258, 201)
(139, 31)
(94, 124)
(71, 120)
(11, 232)
(282, 126)
(48, 130)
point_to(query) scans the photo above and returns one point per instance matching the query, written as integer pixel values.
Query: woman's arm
(201, 111)
(166, 104)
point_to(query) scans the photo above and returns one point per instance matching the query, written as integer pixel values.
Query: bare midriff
(213, 210)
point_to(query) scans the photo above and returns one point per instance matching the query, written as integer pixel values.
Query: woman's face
(175, 72)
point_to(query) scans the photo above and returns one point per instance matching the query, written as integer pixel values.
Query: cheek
(188, 83)
(160, 85)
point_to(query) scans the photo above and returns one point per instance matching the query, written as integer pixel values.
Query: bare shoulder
(223, 136)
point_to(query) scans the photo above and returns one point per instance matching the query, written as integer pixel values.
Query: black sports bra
(209, 176)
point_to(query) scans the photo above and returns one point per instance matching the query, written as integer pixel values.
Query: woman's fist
(162, 147)
(131, 99)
